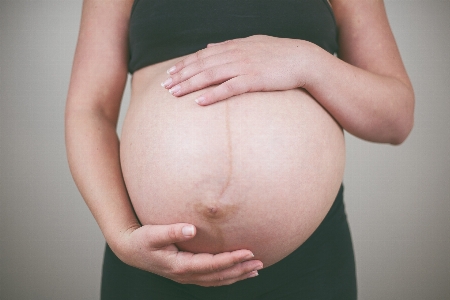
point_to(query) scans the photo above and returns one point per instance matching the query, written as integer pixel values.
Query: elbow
(403, 123)
(402, 132)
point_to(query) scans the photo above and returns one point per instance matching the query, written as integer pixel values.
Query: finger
(235, 86)
(199, 55)
(205, 263)
(231, 275)
(212, 76)
(208, 64)
(231, 281)
(164, 235)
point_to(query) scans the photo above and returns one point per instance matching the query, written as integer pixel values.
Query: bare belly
(258, 171)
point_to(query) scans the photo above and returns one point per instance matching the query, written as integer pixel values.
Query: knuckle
(229, 87)
(199, 54)
(210, 74)
(172, 234)
(247, 87)
(175, 78)
(181, 64)
(187, 85)
(180, 75)
(236, 260)
(214, 267)
(201, 64)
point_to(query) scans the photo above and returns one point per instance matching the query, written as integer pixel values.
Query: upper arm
(366, 39)
(99, 69)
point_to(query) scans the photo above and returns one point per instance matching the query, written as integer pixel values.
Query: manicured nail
(259, 267)
(167, 82)
(249, 256)
(200, 100)
(188, 230)
(253, 274)
(171, 70)
(175, 89)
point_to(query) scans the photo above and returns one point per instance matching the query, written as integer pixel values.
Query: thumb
(164, 235)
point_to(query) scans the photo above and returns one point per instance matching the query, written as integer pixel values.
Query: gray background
(398, 198)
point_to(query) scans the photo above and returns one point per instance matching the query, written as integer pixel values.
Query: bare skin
(367, 91)
(97, 83)
(229, 167)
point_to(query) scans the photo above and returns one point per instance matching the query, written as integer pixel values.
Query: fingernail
(171, 70)
(249, 256)
(188, 230)
(259, 267)
(175, 89)
(167, 82)
(200, 100)
(253, 274)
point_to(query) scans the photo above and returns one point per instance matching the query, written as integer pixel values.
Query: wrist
(118, 236)
(120, 241)
(312, 68)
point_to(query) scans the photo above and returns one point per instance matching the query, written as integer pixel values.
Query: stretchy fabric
(162, 30)
(321, 268)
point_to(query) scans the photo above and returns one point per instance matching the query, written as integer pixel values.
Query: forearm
(373, 107)
(93, 154)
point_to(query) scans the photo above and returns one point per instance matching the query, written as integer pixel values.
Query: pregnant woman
(232, 152)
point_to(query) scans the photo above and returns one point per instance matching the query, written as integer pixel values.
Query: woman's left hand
(255, 63)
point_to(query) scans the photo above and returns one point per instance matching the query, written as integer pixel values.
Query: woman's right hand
(92, 109)
(152, 248)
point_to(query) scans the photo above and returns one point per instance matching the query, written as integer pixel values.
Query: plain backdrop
(397, 198)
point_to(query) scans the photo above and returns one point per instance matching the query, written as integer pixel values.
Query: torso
(258, 171)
